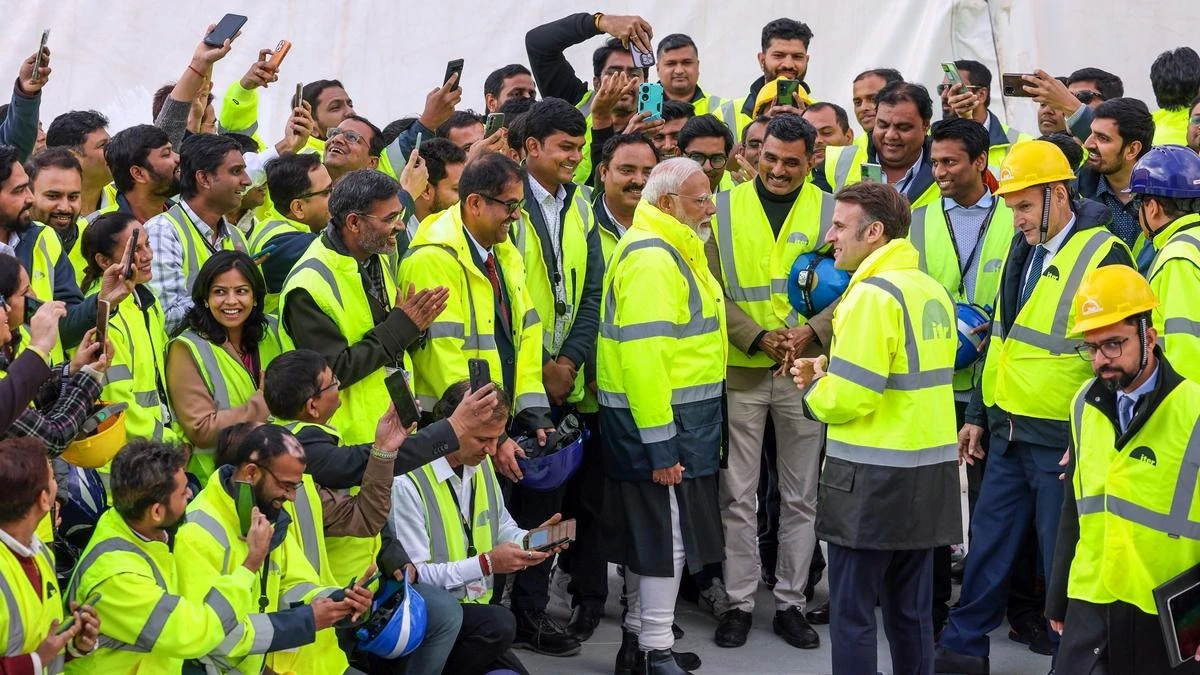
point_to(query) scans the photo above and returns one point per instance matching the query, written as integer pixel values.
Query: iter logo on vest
(935, 322)
(1144, 454)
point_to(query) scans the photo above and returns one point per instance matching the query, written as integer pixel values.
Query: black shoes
(1034, 634)
(795, 630)
(676, 631)
(661, 662)
(583, 621)
(631, 661)
(733, 629)
(952, 663)
(818, 616)
(537, 632)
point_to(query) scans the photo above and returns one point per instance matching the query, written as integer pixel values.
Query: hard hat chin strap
(1145, 347)
(1045, 215)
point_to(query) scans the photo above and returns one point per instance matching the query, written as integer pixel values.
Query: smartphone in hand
(402, 397)
(39, 58)
(452, 67)
(281, 51)
(229, 25)
(134, 238)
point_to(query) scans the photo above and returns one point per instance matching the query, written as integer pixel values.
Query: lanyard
(465, 520)
(962, 290)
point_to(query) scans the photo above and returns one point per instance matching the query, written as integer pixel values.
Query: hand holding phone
(402, 397)
(298, 96)
(1014, 85)
(787, 92)
(494, 123)
(550, 537)
(641, 59)
(650, 99)
(951, 72)
(452, 68)
(281, 51)
(90, 602)
(262, 254)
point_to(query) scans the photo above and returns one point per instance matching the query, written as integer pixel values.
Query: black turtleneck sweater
(776, 206)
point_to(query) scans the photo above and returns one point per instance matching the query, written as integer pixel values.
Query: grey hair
(667, 176)
(357, 191)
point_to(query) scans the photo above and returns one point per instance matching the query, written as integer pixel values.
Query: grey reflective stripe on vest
(110, 546)
(1175, 524)
(697, 325)
(916, 237)
(208, 364)
(585, 106)
(730, 115)
(16, 626)
(295, 595)
(264, 633)
(858, 375)
(118, 373)
(321, 269)
(308, 530)
(897, 459)
(1013, 135)
(180, 220)
(472, 340)
(57, 665)
(223, 609)
(1179, 325)
(439, 548)
(733, 288)
(45, 251)
(585, 208)
(249, 131)
(841, 171)
(214, 530)
(910, 336)
(157, 621)
(489, 477)
(683, 395)
(264, 229)
(530, 400)
(1057, 342)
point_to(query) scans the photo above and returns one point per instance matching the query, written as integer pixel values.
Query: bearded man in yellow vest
(760, 228)
(1130, 519)
(1030, 373)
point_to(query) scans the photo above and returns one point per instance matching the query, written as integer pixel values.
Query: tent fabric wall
(111, 56)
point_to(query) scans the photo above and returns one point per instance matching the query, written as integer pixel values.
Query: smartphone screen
(538, 538)
(452, 67)
(402, 397)
(229, 26)
(1185, 616)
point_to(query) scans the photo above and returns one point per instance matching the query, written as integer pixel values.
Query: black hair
(515, 106)
(786, 29)
(58, 158)
(676, 41)
(600, 56)
(202, 152)
(228, 439)
(262, 444)
(705, 126)
(879, 202)
(761, 119)
(357, 192)
(9, 157)
(1071, 148)
(459, 119)
(612, 144)
(376, 145)
(246, 143)
(396, 127)
(888, 75)
(160, 99)
(313, 90)
(437, 153)
(971, 134)
(132, 147)
(24, 474)
(1175, 77)
(456, 392)
(978, 75)
(291, 380)
(200, 318)
(790, 128)
(1133, 119)
(839, 113)
(100, 236)
(495, 80)
(677, 110)
(895, 93)
(553, 114)
(143, 474)
(1107, 85)
(488, 175)
(516, 130)
(288, 178)
(10, 275)
(71, 129)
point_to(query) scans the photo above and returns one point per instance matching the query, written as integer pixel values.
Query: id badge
(476, 589)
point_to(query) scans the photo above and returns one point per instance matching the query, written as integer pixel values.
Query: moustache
(632, 187)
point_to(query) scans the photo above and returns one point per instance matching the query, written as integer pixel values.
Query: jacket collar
(924, 174)
(1172, 228)
(1099, 397)
(997, 133)
(897, 254)
(681, 237)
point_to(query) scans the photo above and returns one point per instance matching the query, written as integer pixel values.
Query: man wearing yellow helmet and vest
(889, 491)
(1129, 522)
(1029, 376)
(1168, 181)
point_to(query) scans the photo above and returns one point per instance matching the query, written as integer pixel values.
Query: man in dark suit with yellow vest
(1029, 375)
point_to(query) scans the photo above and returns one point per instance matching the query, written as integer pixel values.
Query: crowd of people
(208, 464)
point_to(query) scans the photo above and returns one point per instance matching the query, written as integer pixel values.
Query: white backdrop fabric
(111, 56)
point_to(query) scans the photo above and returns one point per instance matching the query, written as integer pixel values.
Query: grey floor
(763, 653)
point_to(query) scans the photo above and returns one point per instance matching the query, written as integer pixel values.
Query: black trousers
(1114, 639)
(484, 642)
(584, 501)
(901, 582)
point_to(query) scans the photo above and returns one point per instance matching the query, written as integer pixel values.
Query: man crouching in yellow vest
(889, 493)
(1130, 520)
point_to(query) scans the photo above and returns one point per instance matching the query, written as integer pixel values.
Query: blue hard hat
(550, 471)
(814, 283)
(396, 626)
(970, 317)
(1167, 171)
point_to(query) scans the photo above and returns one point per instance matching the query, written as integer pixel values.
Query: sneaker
(539, 633)
(795, 629)
(714, 599)
(733, 629)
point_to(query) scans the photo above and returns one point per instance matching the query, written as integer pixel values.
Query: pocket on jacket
(838, 475)
(699, 428)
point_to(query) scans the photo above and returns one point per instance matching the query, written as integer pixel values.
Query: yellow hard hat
(1032, 163)
(100, 447)
(1110, 294)
(768, 93)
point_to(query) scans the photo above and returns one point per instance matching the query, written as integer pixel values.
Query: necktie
(1125, 406)
(490, 263)
(1035, 271)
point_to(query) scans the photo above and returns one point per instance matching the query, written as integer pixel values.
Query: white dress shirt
(1052, 245)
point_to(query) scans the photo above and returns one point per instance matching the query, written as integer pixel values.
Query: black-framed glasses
(333, 384)
(967, 88)
(315, 193)
(512, 207)
(700, 201)
(1109, 348)
(390, 220)
(285, 485)
(717, 161)
(1087, 96)
(351, 135)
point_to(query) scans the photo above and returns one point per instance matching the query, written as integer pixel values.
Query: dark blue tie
(1035, 271)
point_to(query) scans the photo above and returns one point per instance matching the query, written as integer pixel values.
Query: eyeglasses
(1194, 120)
(969, 88)
(715, 161)
(316, 193)
(3, 302)
(700, 201)
(512, 207)
(334, 384)
(1109, 348)
(285, 485)
(390, 220)
(351, 135)
(1087, 96)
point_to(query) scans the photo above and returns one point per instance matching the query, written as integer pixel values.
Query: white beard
(704, 232)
